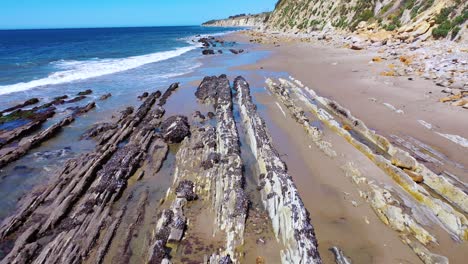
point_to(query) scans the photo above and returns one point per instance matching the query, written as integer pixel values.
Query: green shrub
(442, 30)
(443, 15)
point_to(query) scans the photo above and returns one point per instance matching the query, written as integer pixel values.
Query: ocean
(39, 62)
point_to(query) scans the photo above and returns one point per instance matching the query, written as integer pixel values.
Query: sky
(20, 14)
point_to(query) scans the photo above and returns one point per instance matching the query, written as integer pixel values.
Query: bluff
(241, 20)
(409, 18)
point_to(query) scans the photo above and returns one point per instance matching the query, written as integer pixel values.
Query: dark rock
(185, 189)
(220, 51)
(208, 52)
(128, 111)
(143, 95)
(76, 99)
(16, 107)
(207, 91)
(105, 96)
(175, 129)
(198, 115)
(97, 129)
(213, 158)
(86, 92)
(210, 115)
(236, 51)
(172, 88)
(61, 97)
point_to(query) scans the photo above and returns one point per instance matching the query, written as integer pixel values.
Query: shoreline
(334, 179)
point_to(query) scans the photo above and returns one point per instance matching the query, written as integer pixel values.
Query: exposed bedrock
(291, 222)
(207, 91)
(21, 122)
(19, 106)
(13, 152)
(223, 165)
(395, 162)
(175, 129)
(63, 221)
(299, 116)
(340, 257)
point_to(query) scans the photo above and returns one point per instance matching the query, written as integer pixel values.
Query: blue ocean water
(38, 60)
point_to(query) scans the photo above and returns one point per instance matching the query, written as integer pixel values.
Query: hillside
(408, 18)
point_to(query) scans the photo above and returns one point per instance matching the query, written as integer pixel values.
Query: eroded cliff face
(256, 20)
(439, 19)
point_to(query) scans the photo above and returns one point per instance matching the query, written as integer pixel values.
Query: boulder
(175, 129)
(403, 160)
(357, 46)
(415, 176)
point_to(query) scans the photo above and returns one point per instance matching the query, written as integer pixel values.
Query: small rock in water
(208, 52)
(211, 115)
(86, 92)
(105, 96)
(143, 95)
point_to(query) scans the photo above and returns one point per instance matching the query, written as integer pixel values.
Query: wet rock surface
(79, 199)
(175, 129)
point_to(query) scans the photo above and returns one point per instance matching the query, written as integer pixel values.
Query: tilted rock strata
(78, 203)
(291, 222)
(9, 154)
(455, 222)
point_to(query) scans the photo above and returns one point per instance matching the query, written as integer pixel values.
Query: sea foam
(81, 70)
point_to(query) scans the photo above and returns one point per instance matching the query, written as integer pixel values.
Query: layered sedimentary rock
(398, 164)
(21, 122)
(291, 222)
(208, 166)
(74, 214)
(11, 153)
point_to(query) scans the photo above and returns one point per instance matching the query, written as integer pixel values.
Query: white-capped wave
(80, 70)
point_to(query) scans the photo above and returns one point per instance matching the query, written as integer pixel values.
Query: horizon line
(97, 27)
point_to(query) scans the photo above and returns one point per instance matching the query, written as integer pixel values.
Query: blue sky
(107, 13)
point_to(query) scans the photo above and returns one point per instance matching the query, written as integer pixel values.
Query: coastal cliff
(438, 19)
(241, 20)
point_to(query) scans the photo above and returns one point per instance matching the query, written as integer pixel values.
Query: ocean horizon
(42, 58)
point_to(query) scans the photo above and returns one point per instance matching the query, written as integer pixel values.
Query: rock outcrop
(291, 222)
(63, 222)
